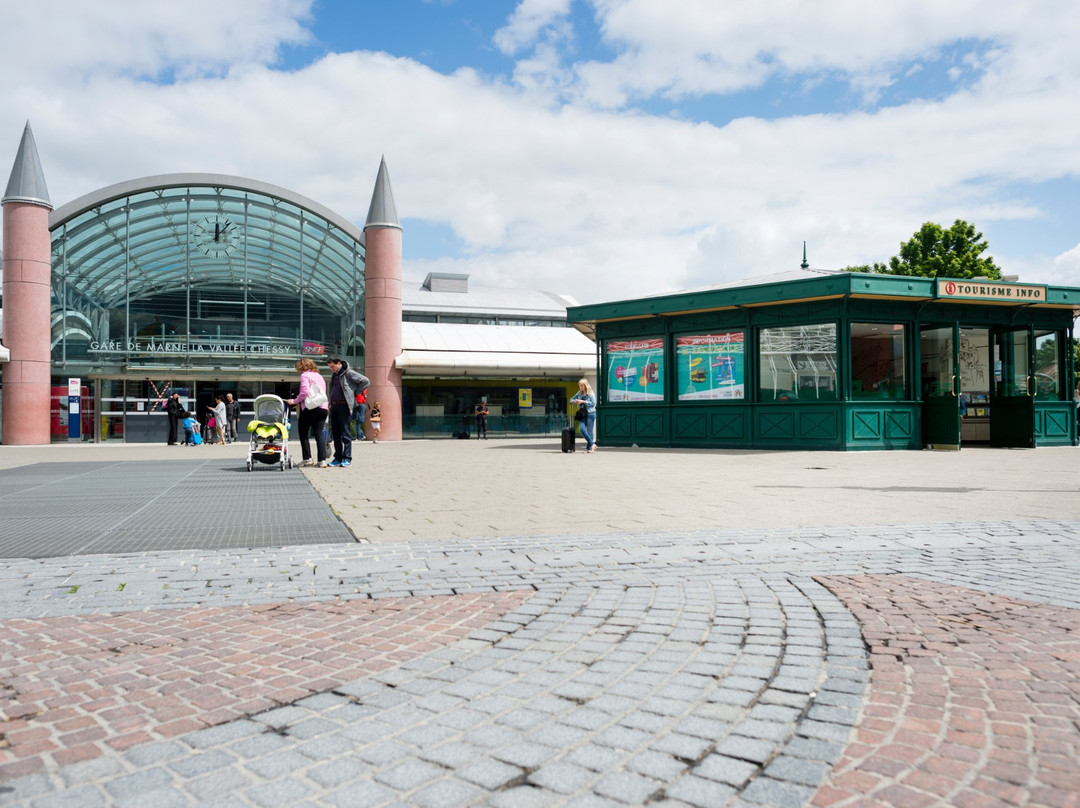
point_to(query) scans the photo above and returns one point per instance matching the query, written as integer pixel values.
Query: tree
(934, 252)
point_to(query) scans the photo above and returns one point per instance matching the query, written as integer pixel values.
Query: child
(191, 428)
(376, 421)
(358, 414)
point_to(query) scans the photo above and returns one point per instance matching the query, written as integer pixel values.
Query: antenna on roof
(805, 264)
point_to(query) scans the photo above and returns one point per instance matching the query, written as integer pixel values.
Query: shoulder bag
(316, 396)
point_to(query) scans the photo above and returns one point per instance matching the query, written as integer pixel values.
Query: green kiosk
(815, 359)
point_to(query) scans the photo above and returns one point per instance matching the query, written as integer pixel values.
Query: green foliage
(934, 252)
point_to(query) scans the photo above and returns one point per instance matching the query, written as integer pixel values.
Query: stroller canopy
(270, 409)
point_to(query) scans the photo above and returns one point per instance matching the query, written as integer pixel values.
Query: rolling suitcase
(568, 437)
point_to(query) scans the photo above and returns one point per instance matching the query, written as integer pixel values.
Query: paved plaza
(498, 624)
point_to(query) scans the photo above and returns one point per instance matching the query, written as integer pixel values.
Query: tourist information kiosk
(814, 359)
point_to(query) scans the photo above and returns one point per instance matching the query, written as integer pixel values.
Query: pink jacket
(309, 379)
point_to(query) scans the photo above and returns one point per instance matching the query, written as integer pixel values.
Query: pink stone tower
(27, 299)
(382, 306)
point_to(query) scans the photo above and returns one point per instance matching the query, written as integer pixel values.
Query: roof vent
(446, 282)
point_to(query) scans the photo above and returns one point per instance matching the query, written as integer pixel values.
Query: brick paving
(76, 686)
(974, 699)
(779, 660)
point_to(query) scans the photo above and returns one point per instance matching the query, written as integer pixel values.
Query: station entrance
(117, 409)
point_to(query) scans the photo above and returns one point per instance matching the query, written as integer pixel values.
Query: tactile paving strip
(58, 509)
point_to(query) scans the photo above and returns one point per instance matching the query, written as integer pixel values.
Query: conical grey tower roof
(27, 181)
(383, 211)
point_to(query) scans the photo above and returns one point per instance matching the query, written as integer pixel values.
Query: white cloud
(526, 23)
(702, 46)
(594, 201)
(73, 40)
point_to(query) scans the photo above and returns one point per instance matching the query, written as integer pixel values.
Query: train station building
(204, 284)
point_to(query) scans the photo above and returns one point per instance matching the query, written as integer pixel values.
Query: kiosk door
(1012, 399)
(938, 346)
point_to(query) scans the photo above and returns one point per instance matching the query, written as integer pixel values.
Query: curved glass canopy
(184, 263)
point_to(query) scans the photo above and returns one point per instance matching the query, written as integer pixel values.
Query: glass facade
(200, 278)
(1048, 364)
(798, 363)
(878, 369)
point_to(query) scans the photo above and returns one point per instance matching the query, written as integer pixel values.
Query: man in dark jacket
(174, 409)
(344, 385)
(232, 417)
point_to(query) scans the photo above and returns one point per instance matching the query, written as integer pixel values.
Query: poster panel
(710, 366)
(635, 369)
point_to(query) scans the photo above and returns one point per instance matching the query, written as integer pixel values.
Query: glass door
(1012, 405)
(939, 384)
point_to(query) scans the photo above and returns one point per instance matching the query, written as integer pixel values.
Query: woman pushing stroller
(313, 387)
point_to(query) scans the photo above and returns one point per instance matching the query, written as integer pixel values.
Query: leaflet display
(635, 370)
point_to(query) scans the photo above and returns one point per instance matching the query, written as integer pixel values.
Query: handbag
(316, 397)
(582, 412)
(212, 422)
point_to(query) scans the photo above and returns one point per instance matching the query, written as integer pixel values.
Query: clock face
(216, 235)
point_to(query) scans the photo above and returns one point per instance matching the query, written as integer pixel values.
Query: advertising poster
(635, 370)
(710, 366)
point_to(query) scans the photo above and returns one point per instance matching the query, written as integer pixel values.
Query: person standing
(311, 420)
(359, 415)
(219, 420)
(587, 398)
(482, 413)
(173, 408)
(376, 422)
(344, 385)
(232, 416)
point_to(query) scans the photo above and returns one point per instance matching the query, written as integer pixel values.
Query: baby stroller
(269, 433)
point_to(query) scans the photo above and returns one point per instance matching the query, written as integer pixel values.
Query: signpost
(74, 418)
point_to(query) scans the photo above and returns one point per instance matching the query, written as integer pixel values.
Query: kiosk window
(798, 363)
(877, 361)
(1047, 364)
(635, 369)
(710, 366)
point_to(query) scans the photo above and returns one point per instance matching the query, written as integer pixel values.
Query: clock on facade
(216, 235)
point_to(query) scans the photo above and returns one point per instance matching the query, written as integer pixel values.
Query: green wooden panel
(729, 424)
(900, 425)
(649, 425)
(711, 426)
(866, 425)
(819, 425)
(776, 424)
(691, 426)
(888, 426)
(615, 426)
(1053, 423)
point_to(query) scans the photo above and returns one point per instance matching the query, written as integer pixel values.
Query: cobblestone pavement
(885, 664)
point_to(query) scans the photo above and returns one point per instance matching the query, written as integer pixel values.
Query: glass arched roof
(159, 234)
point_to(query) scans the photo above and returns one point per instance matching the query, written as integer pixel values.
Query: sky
(603, 149)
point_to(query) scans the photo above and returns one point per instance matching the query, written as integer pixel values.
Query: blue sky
(599, 148)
